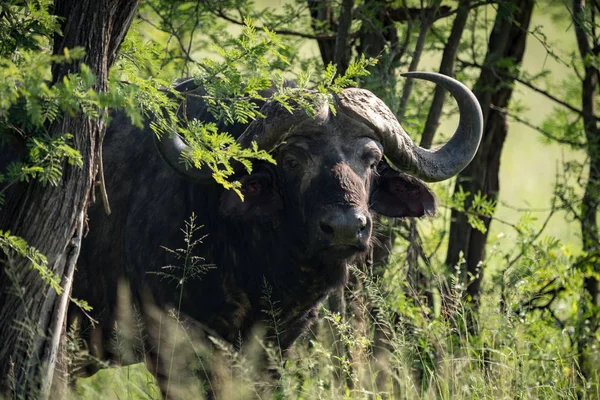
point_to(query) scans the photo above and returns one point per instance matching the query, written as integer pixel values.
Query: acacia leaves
(13, 246)
(475, 208)
(216, 150)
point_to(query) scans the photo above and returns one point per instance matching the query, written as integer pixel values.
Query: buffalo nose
(345, 227)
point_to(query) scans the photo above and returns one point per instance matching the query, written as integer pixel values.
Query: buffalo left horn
(429, 165)
(171, 148)
(266, 132)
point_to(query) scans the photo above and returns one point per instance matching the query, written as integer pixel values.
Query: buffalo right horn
(429, 165)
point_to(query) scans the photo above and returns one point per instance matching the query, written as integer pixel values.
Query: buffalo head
(334, 171)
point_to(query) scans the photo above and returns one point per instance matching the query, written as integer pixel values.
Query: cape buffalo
(301, 223)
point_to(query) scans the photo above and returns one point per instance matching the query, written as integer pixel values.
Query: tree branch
(523, 82)
(446, 68)
(578, 145)
(404, 14)
(321, 37)
(535, 237)
(426, 22)
(400, 14)
(172, 31)
(528, 305)
(60, 313)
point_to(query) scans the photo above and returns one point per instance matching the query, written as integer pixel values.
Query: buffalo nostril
(362, 224)
(326, 228)
(345, 227)
(362, 221)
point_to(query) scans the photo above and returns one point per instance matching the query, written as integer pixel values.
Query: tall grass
(392, 346)
(393, 341)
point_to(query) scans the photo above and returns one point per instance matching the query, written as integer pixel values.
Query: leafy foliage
(26, 26)
(475, 208)
(30, 104)
(12, 245)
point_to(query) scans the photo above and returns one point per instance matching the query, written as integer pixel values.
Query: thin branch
(535, 237)
(529, 306)
(523, 82)
(491, 217)
(102, 183)
(558, 321)
(196, 24)
(426, 23)
(569, 207)
(409, 28)
(321, 37)
(524, 209)
(545, 133)
(403, 14)
(584, 260)
(60, 313)
(437, 246)
(172, 31)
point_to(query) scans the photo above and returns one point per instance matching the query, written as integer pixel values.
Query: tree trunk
(342, 51)
(446, 68)
(378, 37)
(322, 21)
(47, 216)
(426, 22)
(336, 51)
(507, 40)
(588, 320)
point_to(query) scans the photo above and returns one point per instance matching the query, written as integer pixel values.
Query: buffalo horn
(171, 148)
(430, 165)
(266, 132)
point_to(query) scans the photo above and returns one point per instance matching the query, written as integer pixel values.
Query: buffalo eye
(290, 163)
(261, 199)
(252, 188)
(373, 157)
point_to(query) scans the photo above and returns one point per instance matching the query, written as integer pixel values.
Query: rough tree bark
(47, 216)
(493, 89)
(589, 50)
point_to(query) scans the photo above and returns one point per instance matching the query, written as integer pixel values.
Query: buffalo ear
(261, 198)
(399, 195)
